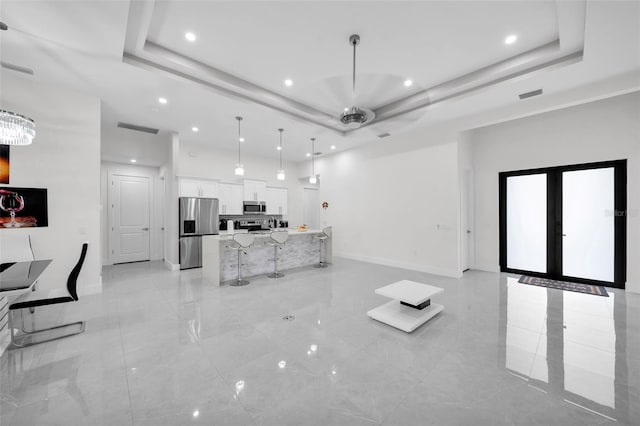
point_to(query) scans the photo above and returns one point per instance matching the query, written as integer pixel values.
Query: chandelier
(16, 129)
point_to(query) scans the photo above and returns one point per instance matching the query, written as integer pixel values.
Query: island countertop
(219, 261)
(226, 235)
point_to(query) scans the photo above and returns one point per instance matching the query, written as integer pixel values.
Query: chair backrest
(15, 247)
(327, 231)
(244, 239)
(279, 237)
(72, 281)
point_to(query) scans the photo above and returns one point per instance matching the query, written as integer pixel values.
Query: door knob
(468, 231)
(145, 229)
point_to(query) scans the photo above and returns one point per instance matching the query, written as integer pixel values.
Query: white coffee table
(411, 306)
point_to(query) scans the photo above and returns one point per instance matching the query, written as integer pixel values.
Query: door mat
(596, 290)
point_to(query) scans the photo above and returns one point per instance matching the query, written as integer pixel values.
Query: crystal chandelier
(16, 129)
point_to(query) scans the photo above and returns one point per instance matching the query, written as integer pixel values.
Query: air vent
(317, 153)
(138, 128)
(384, 135)
(16, 68)
(530, 94)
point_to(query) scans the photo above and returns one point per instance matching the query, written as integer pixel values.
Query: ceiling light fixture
(333, 147)
(195, 129)
(288, 82)
(312, 178)
(133, 160)
(190, 36)
(511, 39)
(162, 100)
(408, 83)
(239, 167)
(16, 129)
(280, 175)
(355, 117)
(308, 154)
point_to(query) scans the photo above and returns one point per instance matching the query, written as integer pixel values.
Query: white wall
(156, 207)
(65, 159)
(399, 209)
(598, 131)
(201, 161)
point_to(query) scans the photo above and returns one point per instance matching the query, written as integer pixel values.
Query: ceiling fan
(355, 117)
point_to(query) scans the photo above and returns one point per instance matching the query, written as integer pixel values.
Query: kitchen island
(219, 262)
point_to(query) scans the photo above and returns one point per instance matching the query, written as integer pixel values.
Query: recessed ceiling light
(511, 39)
(288, 82)
(195, 129)
(241, 139)
(333, 147)
(308, 154)
(133, 160)
(346, 109)
(278, 148)
(162, 100)
(408, 83)
(190, 36)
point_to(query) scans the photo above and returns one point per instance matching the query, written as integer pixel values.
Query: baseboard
(172, 266)
(404, 265)
(485, 268)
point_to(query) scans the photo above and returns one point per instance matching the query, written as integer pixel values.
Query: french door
(566, 222)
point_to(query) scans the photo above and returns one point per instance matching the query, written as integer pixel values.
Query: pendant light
(312, 178)
(239, 167)
(280, 175)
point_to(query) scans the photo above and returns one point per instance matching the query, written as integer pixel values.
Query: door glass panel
(527, 222)
(588, 242)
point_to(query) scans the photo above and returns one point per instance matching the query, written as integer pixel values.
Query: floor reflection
(566, 344)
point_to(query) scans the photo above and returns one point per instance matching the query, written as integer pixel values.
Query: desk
(18, 277)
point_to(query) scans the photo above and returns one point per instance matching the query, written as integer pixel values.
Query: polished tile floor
(165, 348)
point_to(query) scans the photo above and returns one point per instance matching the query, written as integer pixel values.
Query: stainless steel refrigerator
(198, 217)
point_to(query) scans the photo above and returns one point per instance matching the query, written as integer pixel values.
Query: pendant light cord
(281, 130)
(313, 155)
(239, 137)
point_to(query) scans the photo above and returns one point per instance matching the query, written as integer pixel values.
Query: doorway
(311, 212)
(566, 223)
(466, 221)
(129, 236)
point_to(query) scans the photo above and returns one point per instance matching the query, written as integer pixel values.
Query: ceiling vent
(384, 135)
(317, 153)
(17, 68)
(138, 128)
(530, 94)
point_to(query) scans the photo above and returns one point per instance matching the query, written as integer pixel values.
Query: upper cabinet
(230, 198)
(277, 201)
(255, 190)
(199, 188)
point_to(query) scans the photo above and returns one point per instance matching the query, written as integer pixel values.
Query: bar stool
(326, 233)
(241, 242)
(277, 240)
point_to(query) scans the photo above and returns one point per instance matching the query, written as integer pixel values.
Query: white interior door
(130, 235)
(311, 208)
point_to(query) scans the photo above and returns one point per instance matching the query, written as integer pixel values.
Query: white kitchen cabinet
(230, 196)
(255, 190)
(277, 201)
(199, 188)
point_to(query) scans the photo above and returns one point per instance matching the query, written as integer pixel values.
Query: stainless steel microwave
(254, 207)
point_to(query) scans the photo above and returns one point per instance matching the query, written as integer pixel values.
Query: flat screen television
(23, 207)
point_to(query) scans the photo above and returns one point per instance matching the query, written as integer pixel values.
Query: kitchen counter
(219, 262)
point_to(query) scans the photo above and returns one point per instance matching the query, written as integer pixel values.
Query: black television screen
(23, 207)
